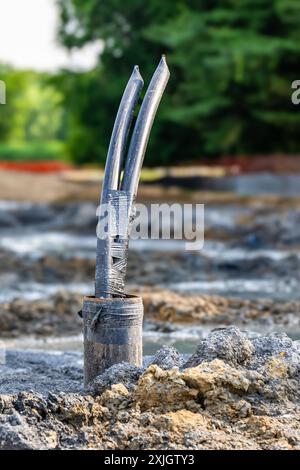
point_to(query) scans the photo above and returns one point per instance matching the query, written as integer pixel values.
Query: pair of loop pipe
(112, 247)
(112, 319)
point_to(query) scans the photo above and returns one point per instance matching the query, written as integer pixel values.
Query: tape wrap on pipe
(112, 242)
(113, 321)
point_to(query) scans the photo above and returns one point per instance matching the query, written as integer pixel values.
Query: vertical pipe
(112, 173)
(112, 333)
(113, 324)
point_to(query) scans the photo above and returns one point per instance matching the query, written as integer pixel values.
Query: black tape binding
(113, 321)
(112, 243)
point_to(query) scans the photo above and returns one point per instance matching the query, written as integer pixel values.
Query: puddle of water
(242, 288)
(14, 205)
(185, 339)
(38, 244)
(35, 291)
(68, 244)
(222, 253)
(35, 244)
(280, 290)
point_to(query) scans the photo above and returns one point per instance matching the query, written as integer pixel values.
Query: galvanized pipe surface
(117, 145)
(143, 128)
(113, 319)
(112, 173)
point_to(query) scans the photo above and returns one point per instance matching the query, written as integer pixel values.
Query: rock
(276, 346)
(229, 344)
(167, 357)
(165, 307)
(123, 373)
(273, 344)
(57, 314)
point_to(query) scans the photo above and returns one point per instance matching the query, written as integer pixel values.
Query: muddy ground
(164, 311)
(247, 274)
(232, 393)
(240, 390)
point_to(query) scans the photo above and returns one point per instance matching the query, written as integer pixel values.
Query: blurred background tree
(8, 112)
(232, 64)
(33, 122)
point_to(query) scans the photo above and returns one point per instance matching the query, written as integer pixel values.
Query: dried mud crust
(233, 393)
(166, 305)
(58, 314)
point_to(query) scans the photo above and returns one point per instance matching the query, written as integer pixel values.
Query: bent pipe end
(143, 126)
(117, 145)
(135, 157)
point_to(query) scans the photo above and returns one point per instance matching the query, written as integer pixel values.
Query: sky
(27, 38)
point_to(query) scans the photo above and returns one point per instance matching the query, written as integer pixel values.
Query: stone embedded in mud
(167, 357)
(274, 344)
(269, 348)
(124, 373)
(229, 344)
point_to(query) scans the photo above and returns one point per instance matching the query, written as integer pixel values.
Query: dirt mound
(168, 306)
(208, 403)
(54, 316)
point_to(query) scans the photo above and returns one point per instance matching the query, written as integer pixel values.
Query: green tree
(38, 110)
(33, 120)
(14, 83)
(232, 64)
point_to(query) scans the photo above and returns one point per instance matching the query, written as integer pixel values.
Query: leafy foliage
(32, 150)
(8, 111)
(33, 116)
(232, 65)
